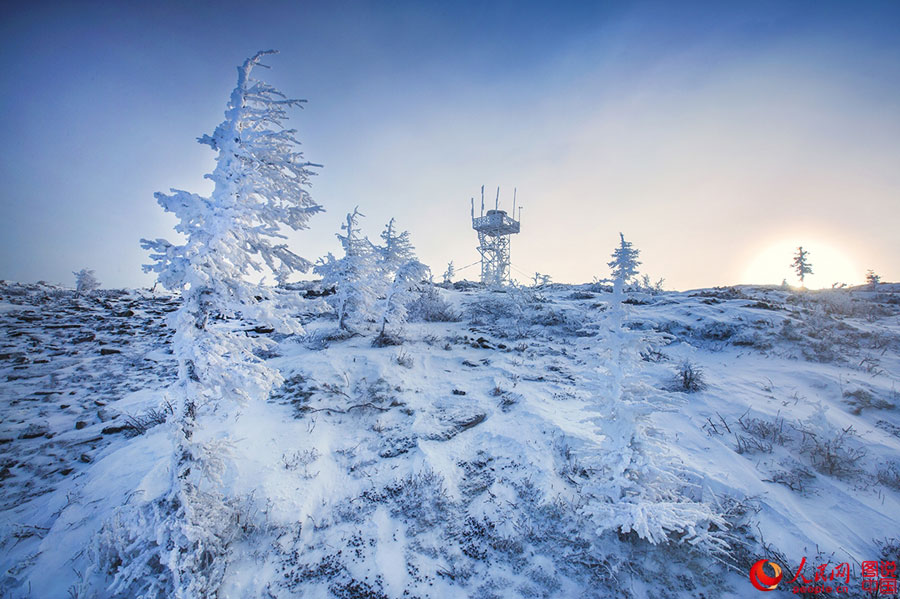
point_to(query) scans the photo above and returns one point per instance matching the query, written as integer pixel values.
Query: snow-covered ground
(460, 463)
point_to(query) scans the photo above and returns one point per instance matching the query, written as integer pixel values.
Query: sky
(716, 136)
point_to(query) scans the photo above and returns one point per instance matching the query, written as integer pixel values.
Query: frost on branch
(179, 541)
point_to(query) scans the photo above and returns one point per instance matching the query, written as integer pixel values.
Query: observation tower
(494, 228)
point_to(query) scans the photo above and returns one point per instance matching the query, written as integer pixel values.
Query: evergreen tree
(400, 293)
(624, 265)
(85, 281)
(353, 276)
(872, 278)
(802, 265)
(403, 271)
(396, 250)
(177, 543)
(634, 485)
(449, 273)
(648, 285)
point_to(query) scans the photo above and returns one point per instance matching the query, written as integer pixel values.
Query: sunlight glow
(830, 265)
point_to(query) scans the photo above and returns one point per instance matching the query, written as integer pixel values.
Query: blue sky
(714, 135)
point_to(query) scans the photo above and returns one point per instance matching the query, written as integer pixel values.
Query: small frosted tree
(624, 265)
(652, 286)
(538, 279)
(353, 276)
(872, 278)
(403, 272)
(449, 273)
(85, 281)
(400, 293)
(801, 265)
(176, 544)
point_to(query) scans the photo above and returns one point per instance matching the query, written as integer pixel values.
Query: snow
(458, 471)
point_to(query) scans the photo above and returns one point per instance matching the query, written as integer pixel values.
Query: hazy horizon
(715, 137)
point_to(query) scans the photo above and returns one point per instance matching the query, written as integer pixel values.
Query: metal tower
(494, 229)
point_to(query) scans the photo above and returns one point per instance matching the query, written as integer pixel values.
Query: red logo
(763, 581)
(878, 578)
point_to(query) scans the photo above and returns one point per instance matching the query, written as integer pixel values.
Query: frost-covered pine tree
(354, 277)
(85, 281)
(400, 293)
(802, 265)
(396, 249)
(398, 263)
(624, 265)
(648, 285)
(176, 544)
(635, 484)
(449, 273)
(872, 278)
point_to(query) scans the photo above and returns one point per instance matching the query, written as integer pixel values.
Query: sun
(772, 265)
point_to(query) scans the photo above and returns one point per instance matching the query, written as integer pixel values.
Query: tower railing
(496, 222)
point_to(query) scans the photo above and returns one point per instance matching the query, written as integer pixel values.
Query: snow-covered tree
(400, 293)
(801, 264)
(403, 272)
(176, 544)
(396, 249)
(449, 273)
(872, 278)
(354, 278)
(85, 281)
(538, 279)
(624, 265)
(652, 286)
(634, 484)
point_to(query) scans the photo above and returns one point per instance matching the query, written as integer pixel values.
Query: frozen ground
(457, 463)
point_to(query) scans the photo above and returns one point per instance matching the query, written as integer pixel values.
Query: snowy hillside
(477, 456)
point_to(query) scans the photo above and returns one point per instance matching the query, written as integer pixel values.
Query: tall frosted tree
(635, 484)
(624, 265)
(176, 544)
(353, 276)
(802, 265)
